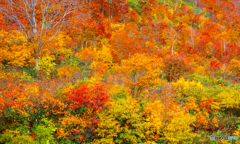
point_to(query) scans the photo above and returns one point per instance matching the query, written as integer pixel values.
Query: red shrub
(214, 66)
(207, 104)
(94, 97)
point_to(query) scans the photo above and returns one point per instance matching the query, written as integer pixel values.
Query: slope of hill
(116, 71)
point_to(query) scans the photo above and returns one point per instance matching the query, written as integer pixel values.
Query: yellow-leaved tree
(105, 55)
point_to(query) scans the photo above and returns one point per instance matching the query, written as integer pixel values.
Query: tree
(172, 37)
(40, 21)
(141, 72)
(176, 66)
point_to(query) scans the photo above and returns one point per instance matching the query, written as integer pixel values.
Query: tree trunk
(36, 56)
(36, 63)
(121, 58)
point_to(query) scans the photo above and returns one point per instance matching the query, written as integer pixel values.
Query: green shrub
(24, 139)
(45, 132)
(16, 137)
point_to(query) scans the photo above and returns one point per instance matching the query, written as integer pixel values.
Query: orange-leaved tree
(141, 72)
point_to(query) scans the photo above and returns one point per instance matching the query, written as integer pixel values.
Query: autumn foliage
(119, 71)
(176, 66)
(95, 97)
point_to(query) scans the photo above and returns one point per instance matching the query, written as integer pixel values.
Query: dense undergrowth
(149, 72)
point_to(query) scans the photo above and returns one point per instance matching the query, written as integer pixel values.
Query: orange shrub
(175, 67)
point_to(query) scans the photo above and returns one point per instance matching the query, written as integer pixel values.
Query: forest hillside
(119, 71)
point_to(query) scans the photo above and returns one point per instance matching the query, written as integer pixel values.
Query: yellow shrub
(47, 65)
(189, 88)
(229, 97)
(234, 66)
(202, 122)
(191, 104)
(173, 122)
(200, 70)
(237, 133)
(122, 123)
(178, 129)
(65, 71)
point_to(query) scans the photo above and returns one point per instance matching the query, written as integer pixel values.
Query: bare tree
(172, 37)
(40, 21)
